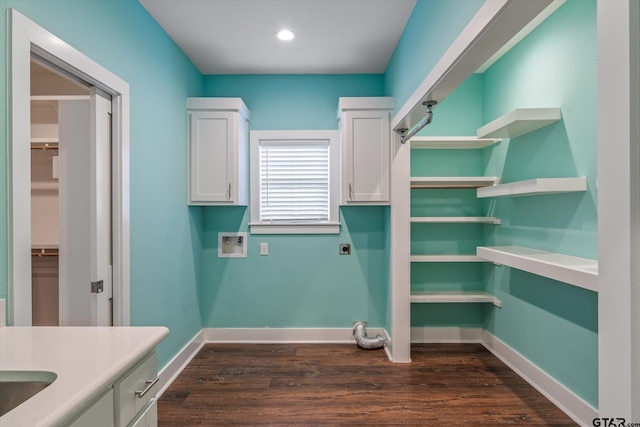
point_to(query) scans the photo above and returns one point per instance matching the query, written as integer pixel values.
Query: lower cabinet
(98, 414)
(133, 391)
(128, 402)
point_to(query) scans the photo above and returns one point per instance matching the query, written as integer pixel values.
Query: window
(294, 182)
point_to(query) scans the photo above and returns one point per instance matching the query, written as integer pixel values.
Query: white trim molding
(567, 401)
(446, 335)
(259, 138)
(171, 370)
(285, 335)
(618, 210)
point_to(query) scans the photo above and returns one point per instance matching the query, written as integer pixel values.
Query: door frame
(27, 39)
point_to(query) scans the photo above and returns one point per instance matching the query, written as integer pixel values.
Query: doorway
(48, 89)
(70, 200)
(28, 39)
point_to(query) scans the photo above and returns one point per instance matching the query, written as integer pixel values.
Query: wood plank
(322, 384)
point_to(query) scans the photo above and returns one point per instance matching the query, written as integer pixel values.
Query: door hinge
(97, 287)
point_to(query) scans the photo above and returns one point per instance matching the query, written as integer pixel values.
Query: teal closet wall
(460, 114)
(303, 282)
(165, 246)
(551, 323)
(432, 27)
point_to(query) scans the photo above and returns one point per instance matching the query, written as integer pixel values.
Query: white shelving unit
(434, 182)
(452, 142)
(519, 122)
(454, 219)
(454, 297)
(581, 272)
(447, 258)
(535, 187)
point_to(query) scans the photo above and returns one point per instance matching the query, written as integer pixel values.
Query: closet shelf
(454, 297)
(519, 122)
(446, 258)
(433, 182)
(535, 187)
(44, 186)
(581, 272)
(42, 245)
(452, 142)
(50, 140)
(455, 219)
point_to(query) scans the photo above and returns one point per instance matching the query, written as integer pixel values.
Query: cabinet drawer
(148, 417)
(135, 389)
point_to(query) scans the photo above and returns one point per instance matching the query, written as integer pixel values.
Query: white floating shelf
(519, 122)
(581, 272)
(454, 297)
(427, 182)
(446, 258)
(452, 142)
(535, 187)
(455, 219)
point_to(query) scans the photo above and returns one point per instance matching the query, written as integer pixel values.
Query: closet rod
(406, 134)
(40, 252)
(45, 147)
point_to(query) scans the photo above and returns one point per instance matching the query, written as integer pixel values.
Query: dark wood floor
(264, 384)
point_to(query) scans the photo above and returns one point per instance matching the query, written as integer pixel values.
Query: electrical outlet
(344, 249)
(264, 249)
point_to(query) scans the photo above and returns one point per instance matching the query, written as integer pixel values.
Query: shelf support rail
(407, 134)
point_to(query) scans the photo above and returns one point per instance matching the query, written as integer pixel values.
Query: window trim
(330, 227)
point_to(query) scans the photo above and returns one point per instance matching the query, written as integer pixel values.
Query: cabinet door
(98, 414)
(365, 139)
(212, 157)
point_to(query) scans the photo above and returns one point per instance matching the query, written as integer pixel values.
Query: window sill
(265, 228)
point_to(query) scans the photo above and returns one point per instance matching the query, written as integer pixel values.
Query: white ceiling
(238, 36)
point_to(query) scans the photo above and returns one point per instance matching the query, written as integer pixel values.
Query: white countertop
(86, 360)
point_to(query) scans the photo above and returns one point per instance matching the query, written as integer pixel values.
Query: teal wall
(552, 324)
(293, 101)
(303, 282)
(432, 27)
(165, 248)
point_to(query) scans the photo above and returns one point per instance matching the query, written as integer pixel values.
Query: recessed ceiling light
(285, 35)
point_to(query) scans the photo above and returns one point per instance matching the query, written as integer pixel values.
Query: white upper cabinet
(365, 138)
(218, 151)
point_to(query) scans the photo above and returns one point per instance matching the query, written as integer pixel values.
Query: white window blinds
(294, 181)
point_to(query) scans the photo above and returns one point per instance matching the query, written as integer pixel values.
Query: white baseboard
(446, 335)
(180, 361)
(285, 335)
(388, 346)
(568, 402)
